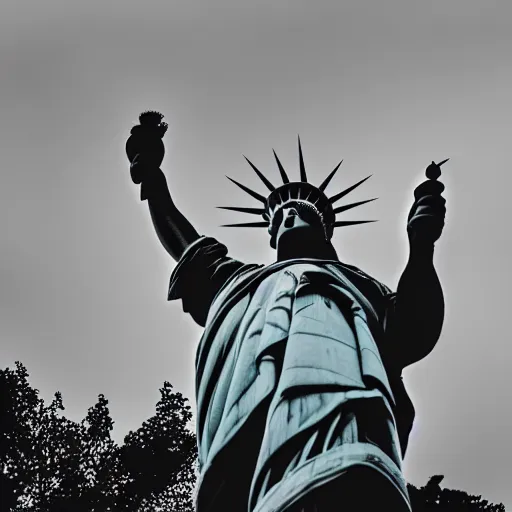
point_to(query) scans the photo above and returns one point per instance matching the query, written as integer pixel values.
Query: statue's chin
(304, 242)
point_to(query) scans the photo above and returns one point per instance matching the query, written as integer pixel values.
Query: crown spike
(303, 176)
(343, 223)
(257, 196)
(261, 176)
(262, 224)
(335, 198)
(352, 205)
(327, 180)
(254, 211)
(284, 176)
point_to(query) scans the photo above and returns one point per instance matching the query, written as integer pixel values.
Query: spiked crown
(298, 192)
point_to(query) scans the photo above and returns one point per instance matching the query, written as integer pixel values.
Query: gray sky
(388, 86)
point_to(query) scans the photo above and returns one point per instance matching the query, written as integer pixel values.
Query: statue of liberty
(300, 400)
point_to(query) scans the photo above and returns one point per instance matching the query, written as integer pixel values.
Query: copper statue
(301, 404)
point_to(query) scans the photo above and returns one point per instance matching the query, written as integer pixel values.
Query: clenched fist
(426, 219)
(145, 150)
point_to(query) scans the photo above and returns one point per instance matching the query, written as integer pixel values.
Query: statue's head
(294, 217)
(297, 206)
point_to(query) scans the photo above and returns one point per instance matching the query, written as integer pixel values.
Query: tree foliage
(432, 498)
(51, 464)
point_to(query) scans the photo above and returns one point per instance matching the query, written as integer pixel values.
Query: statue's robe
(297, 381)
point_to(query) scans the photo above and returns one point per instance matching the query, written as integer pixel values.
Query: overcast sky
(388, 86)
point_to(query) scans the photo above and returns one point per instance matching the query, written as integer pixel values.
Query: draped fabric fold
(293, 379)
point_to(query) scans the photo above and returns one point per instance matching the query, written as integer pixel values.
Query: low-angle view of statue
(301, 404)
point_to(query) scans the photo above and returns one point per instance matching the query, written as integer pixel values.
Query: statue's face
(294, 217)
(291, 220)
(298, 231)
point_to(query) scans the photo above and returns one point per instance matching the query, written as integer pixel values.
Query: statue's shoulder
(356, 272)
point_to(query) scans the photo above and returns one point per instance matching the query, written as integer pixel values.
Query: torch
(146, 141)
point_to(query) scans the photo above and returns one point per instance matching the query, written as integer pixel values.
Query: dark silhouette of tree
(432, 498)
(51, 464)
(159, 457)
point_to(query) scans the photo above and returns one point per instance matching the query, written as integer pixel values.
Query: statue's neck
(305, 243)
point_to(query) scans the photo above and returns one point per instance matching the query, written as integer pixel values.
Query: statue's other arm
(418, 309)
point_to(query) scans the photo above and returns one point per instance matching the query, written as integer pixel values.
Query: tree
(51, 464)
(159, 457)
(432, 498)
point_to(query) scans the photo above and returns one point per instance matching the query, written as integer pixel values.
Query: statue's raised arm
(145, 151)
(203, 263)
